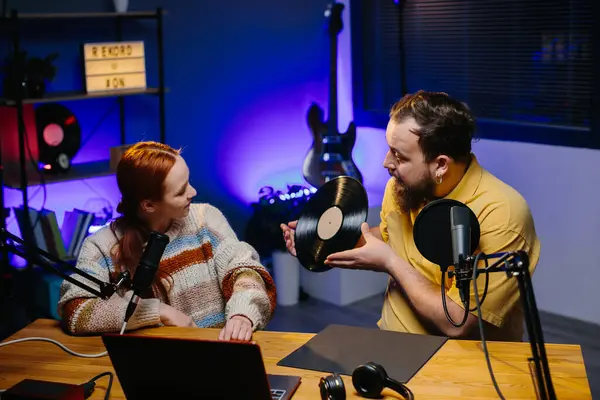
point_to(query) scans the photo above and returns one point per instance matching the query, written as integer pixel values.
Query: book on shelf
(75, 228)
(62, 242)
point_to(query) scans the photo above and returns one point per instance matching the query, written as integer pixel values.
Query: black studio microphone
(446, 232)
(460, 229)
(146, 270)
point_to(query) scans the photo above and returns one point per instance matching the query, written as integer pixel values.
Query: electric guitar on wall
(331, 153)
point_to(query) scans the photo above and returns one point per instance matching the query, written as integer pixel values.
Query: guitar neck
(333, 107)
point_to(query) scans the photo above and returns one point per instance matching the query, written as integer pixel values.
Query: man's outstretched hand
(289, 230)
(374, 254)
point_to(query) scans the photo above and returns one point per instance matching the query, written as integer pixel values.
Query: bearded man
(429, 137)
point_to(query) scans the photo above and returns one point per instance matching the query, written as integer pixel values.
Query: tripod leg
(539, 336)
(542, 378)
(538, 379)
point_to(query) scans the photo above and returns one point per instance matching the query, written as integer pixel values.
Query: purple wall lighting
(266, 142)
(265, 145)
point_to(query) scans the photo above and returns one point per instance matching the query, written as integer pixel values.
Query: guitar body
(330, 155)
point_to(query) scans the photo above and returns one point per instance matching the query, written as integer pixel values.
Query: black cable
(409, 393)
(487, 280)
(88, 387)
(40, 173)
(480, 323)
(466, 305)
(466, 308)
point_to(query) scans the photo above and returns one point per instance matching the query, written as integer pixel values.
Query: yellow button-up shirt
(506, 225)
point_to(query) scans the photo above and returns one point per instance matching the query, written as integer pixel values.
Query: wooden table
(457, 371)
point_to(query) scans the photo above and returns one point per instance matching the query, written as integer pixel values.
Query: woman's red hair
(141, 174)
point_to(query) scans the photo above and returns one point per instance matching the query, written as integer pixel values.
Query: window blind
(519, 60)
(381, 53)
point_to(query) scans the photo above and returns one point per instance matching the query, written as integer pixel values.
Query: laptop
(158, 367)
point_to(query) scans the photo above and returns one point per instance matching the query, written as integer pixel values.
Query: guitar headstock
(334, 14)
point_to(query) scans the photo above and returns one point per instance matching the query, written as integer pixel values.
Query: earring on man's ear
(439, 179)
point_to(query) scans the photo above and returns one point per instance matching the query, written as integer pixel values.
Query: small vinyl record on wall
(59, 137)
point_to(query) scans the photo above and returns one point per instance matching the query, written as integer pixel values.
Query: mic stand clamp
(460, 272)
(14, 244)
(516, 264)
(463, 272)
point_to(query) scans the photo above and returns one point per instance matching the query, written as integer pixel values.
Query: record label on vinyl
(331, 222)
(53, 135)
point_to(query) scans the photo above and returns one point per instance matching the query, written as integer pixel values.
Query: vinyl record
(330, 222)
(59, 135)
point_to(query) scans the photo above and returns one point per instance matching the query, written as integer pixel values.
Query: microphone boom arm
(14, 244)
(516, 264)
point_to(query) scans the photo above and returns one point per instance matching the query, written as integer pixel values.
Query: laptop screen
(153, 367)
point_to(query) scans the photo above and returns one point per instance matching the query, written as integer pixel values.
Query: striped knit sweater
(212, 277)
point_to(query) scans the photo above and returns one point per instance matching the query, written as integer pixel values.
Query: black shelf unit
(93, 169)
(80, 15)
(88, 170)
(79, 95)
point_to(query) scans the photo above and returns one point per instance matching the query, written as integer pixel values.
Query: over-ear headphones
(332, 388)
(368, 379)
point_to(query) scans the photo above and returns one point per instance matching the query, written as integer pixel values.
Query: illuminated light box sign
(114, 66)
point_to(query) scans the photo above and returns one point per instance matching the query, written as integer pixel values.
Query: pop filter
(432, 232)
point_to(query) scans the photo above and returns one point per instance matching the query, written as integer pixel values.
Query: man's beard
(412, 197)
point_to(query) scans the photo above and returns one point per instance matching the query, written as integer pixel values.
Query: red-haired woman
(206, 278)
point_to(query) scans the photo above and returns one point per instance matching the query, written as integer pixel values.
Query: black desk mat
(341, 349)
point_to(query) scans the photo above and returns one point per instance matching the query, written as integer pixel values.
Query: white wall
(560, 184)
